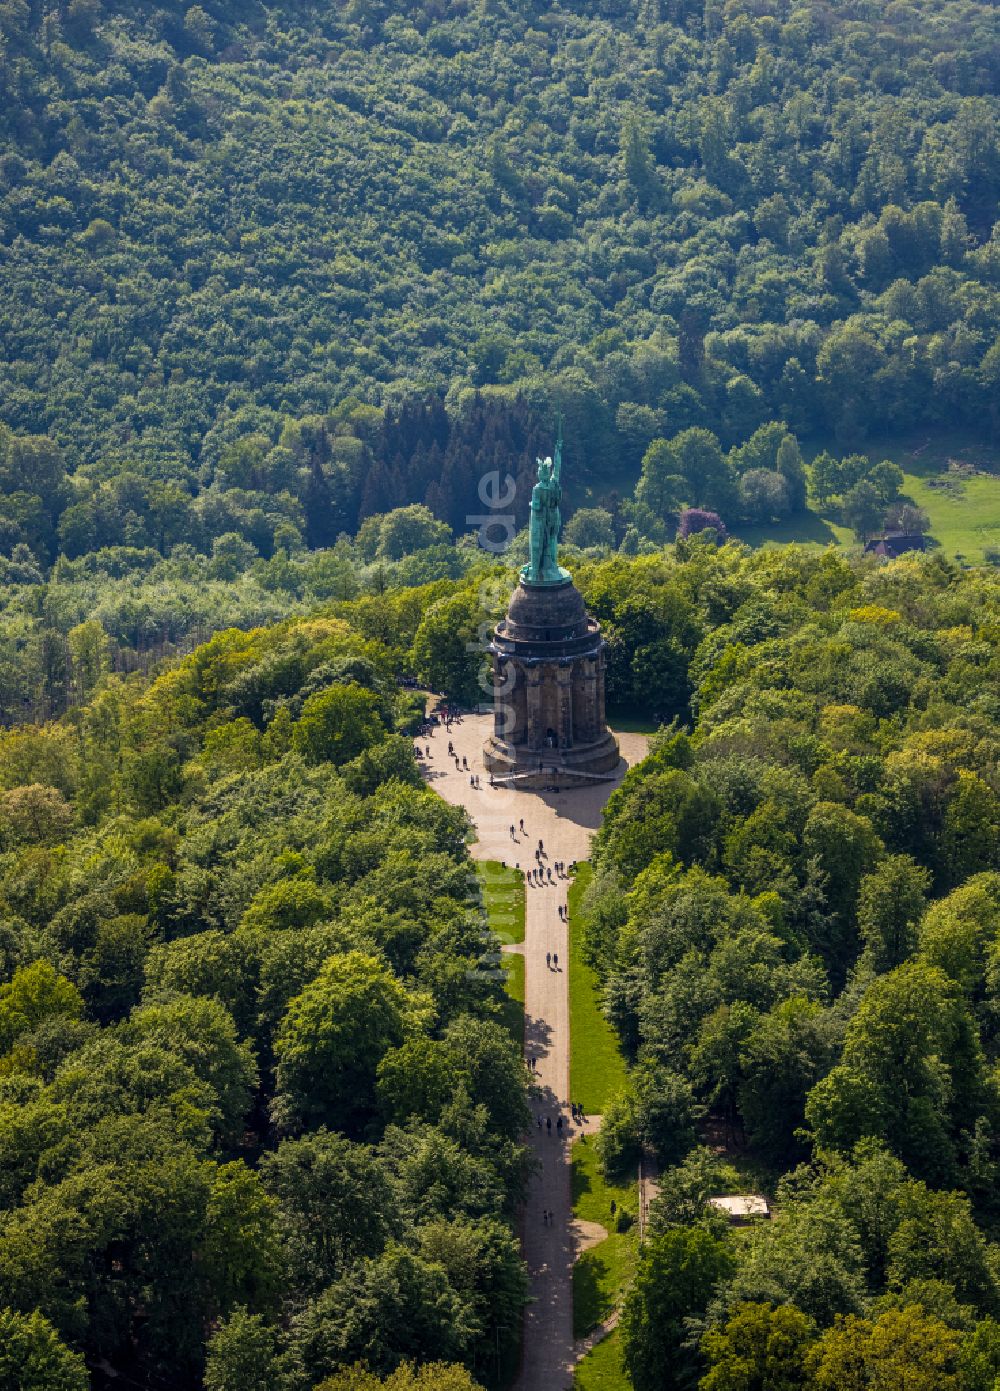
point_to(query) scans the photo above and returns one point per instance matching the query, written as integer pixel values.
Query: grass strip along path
(565, 823)
(503, 900)
(597, 1072)
(602, 1274)
(596, 1068)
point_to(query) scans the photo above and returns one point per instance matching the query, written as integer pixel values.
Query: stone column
(601, 711)
(518, 732)
(564, 708)
(508, 686)
(587, 720)
(499, 700)
(536, 734)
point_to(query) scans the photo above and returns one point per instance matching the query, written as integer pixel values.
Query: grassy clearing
(963, 521)
(603, 1369)
(965, 517)
(805, 529)
(592, 1194)
(602, 1274)
(964, 514)
(632, 724)
(513, 1011)
(596, 1068)
(503, 899)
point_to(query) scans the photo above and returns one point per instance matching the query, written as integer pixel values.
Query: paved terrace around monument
(565, 822)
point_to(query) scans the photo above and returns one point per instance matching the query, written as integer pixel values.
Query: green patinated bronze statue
(543, 532)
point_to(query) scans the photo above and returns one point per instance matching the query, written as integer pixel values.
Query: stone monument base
(549, 673)
(536, 769)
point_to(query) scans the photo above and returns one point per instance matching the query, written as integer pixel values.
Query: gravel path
(565, 823)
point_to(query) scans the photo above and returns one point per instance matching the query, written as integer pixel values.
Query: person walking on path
(555, 961)
(548, 960)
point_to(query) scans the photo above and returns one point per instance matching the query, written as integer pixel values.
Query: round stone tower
(549, 663)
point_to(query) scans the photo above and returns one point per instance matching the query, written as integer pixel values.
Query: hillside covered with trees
(239, 242)
(251, 1029)
(794, 915)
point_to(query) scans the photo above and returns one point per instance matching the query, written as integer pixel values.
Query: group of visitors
(546, 1121)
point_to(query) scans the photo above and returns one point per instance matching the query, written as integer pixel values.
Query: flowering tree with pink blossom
(695, 519)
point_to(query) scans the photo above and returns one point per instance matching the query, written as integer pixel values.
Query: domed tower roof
(553, 613)
(547, 623)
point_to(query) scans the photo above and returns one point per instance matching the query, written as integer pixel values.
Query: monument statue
(550, 663)
(543, 531)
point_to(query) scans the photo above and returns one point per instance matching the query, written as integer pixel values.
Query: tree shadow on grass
(512, 1018)
(803, 527)
(580, 1183)
(593, 1296)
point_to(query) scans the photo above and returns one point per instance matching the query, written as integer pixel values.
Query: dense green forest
(258, 1104)
(283, 280)
(251, 1027)
(221, 215)
(271, 269)
(794, 913)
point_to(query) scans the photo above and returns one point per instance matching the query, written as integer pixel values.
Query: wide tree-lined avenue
(564, 822)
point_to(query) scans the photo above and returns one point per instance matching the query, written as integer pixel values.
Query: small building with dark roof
(895, 543)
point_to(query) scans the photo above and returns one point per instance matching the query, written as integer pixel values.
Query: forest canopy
(277, 274)
(222, 224)
(251, 1030)
(794, 915)
(250, 1022)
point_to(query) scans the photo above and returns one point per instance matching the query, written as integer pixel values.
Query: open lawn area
(503, 899)
(602, 1274)
(513, 1014)
(964, 512)
(602, 1369)
(632, 724)
(596, 1067)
